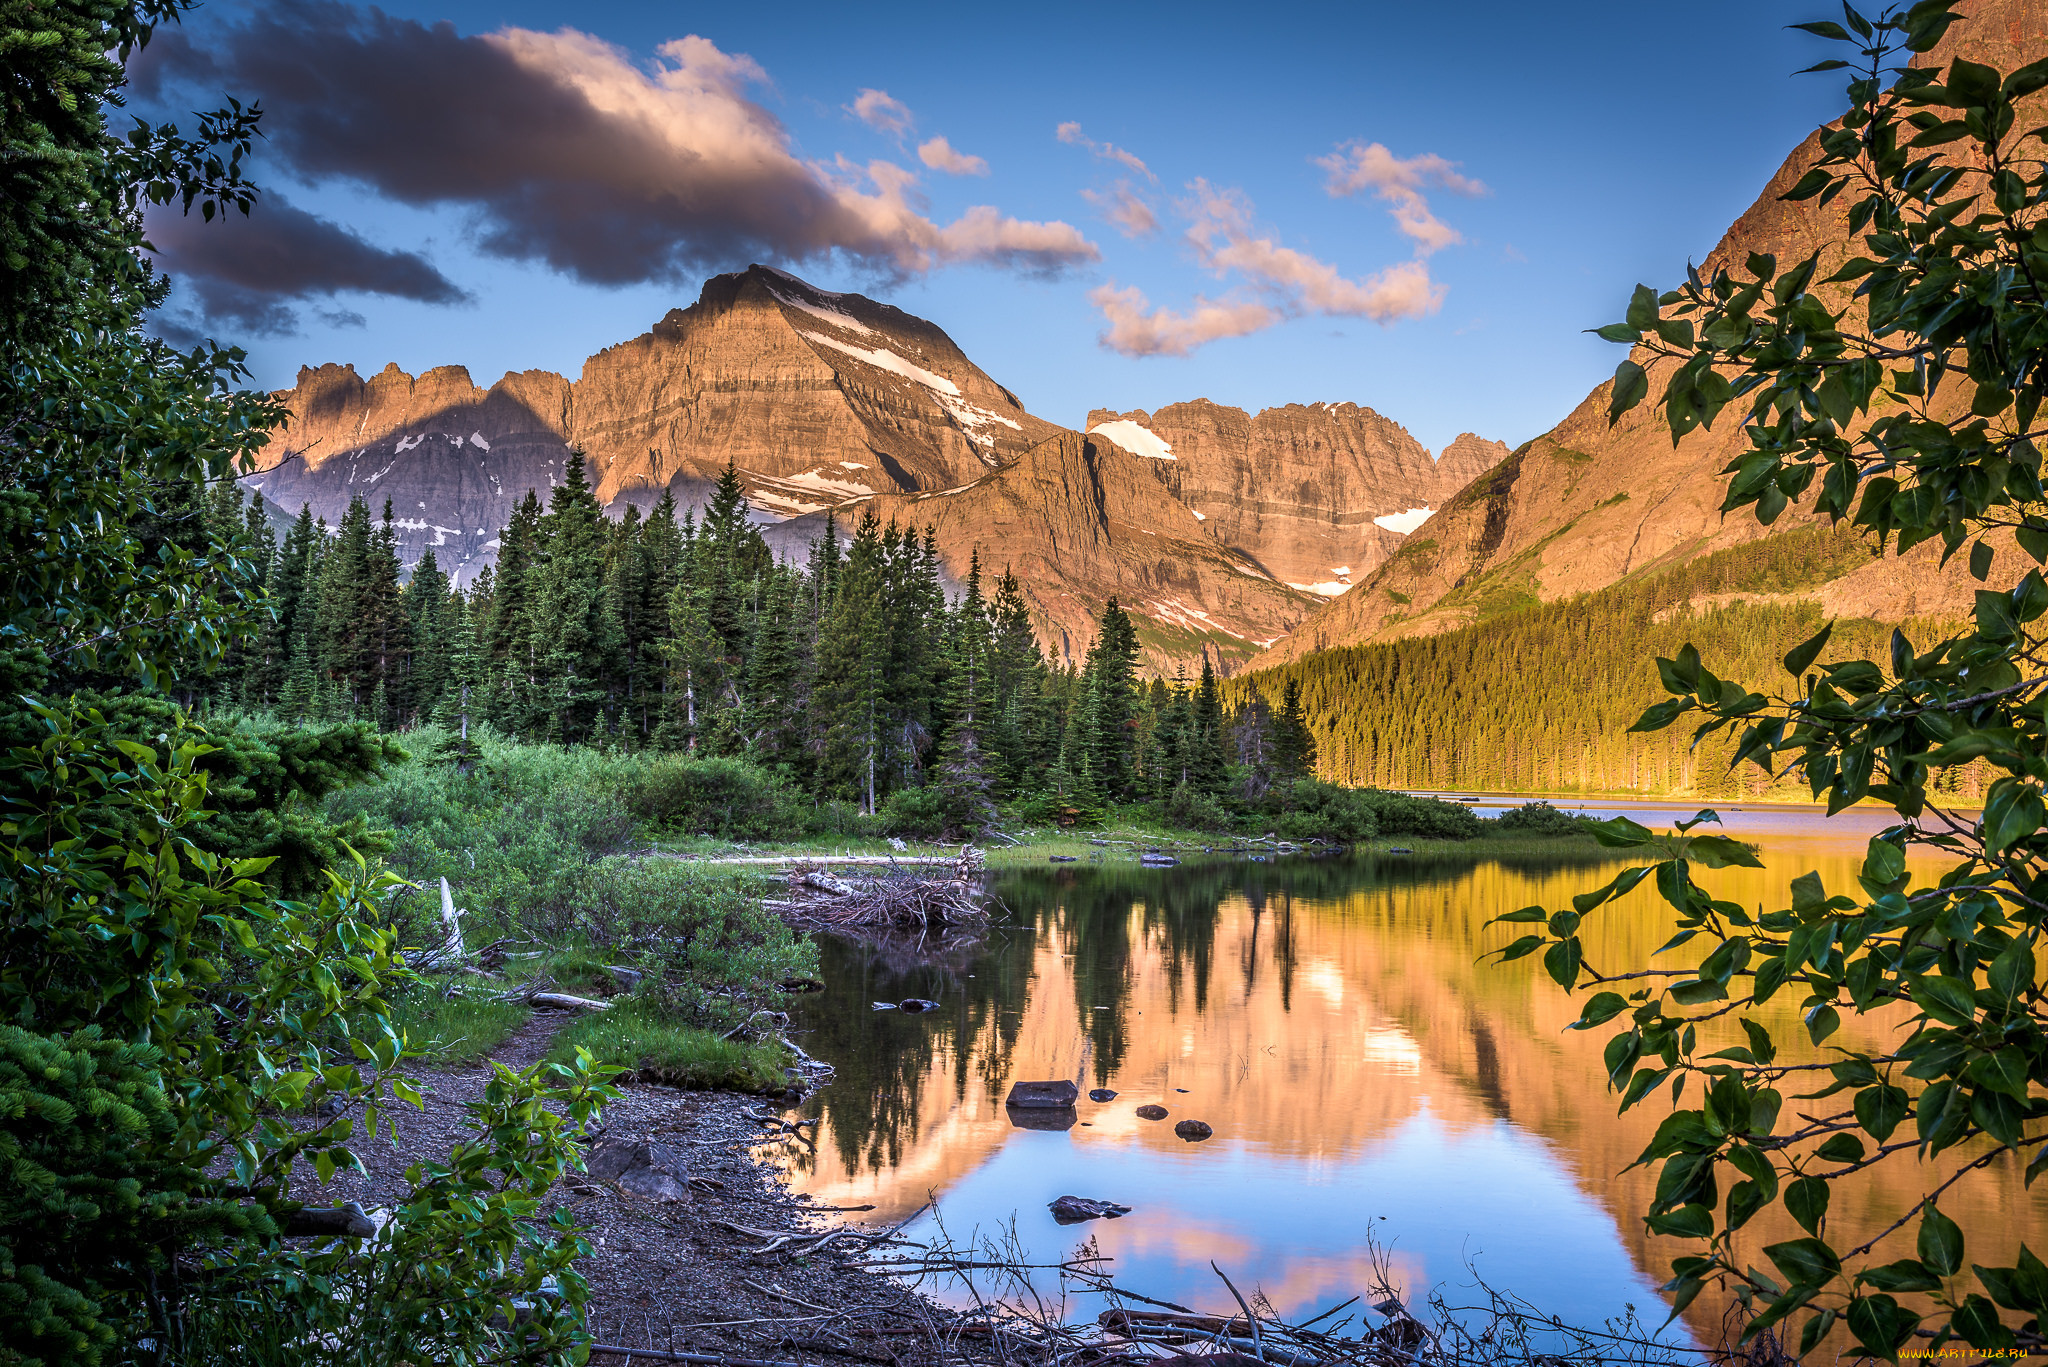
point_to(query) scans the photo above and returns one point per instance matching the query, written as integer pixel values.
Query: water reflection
(1330, 1020)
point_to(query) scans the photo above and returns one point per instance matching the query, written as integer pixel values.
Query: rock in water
(1194, 1131)
(655, 1171)
(1072, 1210)
(1151, 1113)
(914, 1005)
(1102, 1094)
(1043, 1094)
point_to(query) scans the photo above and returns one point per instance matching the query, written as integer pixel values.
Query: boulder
(1102, 1094)
(1043, 1094)
(1151, 1113)
(1072, 1210)
(1194, 1131)
(655, 1171)
(914, 1005)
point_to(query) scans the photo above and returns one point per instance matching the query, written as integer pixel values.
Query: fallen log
(564, 1002)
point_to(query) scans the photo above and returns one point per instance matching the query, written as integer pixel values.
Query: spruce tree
(429, 615)
(1208, 765)
(1109, 748)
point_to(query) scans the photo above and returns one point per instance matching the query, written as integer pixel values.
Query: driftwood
(819, 901)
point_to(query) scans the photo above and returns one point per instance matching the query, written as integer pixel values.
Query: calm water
(1360, 1068)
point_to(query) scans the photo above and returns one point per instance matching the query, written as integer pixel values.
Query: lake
(1364, 1074)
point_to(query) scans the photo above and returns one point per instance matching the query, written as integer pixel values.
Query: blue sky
(1554, 154)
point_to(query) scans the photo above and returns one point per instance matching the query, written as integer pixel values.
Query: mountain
(834, 401)
(816, 397)
(1318, 494)
(1587, 505)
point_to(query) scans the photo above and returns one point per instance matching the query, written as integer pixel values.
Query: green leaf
(1806, 1200)
(2012, 812)
(1980, 562)
(1687, 1222)
(1603, 1007)
(1805, 1262)
(1880, 1109)
(1561, 962)
(1842, 1148)
(1941, 1242)
(1947, 1000)
(1881, 1324)
(1720, 852)
(1631, 387)
(1620, 833)
(1904, 1275)
(1806, 652)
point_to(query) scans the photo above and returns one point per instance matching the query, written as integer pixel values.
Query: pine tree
(1109, 748)
(1294, 745)
(429, 615)
(965, 770)
(1208, 766)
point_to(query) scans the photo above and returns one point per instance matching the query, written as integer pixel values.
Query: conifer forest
(851, 677)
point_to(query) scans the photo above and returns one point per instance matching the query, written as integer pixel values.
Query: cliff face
(1586, 504)
(1318, 494)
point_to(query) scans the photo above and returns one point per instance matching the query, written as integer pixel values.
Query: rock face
(1318, 495)
(1585, 504)
(816, 397)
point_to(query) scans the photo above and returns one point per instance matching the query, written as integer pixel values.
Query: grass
(634, 1035)
(450, 1031)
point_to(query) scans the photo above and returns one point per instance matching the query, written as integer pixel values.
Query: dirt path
(674, 1276)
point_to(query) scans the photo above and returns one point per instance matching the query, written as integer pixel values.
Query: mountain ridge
(832, 401)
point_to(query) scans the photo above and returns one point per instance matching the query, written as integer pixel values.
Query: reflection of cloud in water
(1297, 1226)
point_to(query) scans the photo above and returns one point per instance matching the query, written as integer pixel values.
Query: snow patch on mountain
(881, 358)
(1405, 523)
(845, 321)
(1134, 437)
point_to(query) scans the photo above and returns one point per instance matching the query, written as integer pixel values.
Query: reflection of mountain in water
(1317, 1013)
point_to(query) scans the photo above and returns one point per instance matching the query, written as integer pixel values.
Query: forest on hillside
(1540, 699)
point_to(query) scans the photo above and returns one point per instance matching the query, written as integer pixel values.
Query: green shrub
(636, 1034)
(728, 798)
(1327, 811)
(1422, 818)
(1540, 818)
(1189, 810)
(922, 813)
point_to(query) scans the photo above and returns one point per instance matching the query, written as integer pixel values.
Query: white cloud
(1282, 282)
(1224, 241)
(1356, 166)
(1137, 329)
(1070, 133)
(941, 155)
(880, 110)
(1130, 211)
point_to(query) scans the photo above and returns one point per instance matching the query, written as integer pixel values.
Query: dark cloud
(569, 153)
(249, 271)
